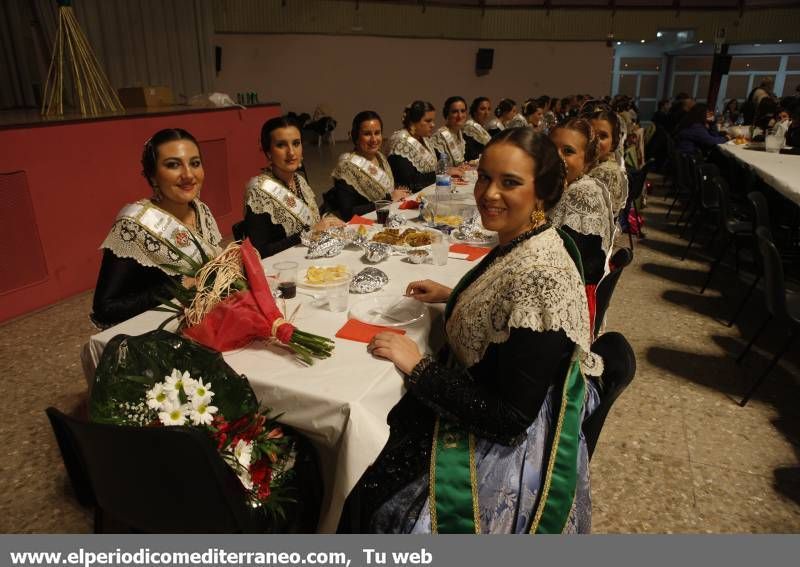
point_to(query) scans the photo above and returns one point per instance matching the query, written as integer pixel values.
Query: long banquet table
(780, 171)
(340, 403)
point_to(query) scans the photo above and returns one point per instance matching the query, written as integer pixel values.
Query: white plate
(388, 310)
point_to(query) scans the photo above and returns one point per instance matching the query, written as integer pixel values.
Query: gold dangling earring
(413, 131)
(537, 217)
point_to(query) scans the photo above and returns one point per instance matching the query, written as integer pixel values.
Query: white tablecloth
(780, 171)
(340, 403)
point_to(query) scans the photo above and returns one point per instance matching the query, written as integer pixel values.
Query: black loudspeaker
(722, 64)
(218, 58)
(483, 61)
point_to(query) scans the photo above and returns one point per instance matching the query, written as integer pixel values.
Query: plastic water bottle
(443, 181)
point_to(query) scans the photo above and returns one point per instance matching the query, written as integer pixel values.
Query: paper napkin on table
(472, 252)
(358, 219)
(355, 330)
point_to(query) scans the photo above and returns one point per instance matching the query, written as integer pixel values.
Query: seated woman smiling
(363, 176)
(475, 440)
(279, 204)
(149, 237)
(412, 157)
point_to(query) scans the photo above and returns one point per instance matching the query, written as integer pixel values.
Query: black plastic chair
(636, 182)
(680, 181)
(164, 480)
(706, 203)
(239, 230)
(605, 289)
(760, 219)
(619, 370)
(732, 229)
(783, 308)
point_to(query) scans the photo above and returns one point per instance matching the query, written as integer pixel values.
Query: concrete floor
(677, 453)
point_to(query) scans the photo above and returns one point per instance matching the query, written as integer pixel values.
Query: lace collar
(372, 182)
(476, 132)
(585, 208)
(154, 238)
(295, 210)
(535, 285)
(614, 180)
(420, 154)
(451, 144)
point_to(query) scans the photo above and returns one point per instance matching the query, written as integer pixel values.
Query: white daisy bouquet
(162, 380)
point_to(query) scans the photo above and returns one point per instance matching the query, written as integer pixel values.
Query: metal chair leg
(691, 241)
(769, 368)
(760, 330)
(745, 299)
(715, 265)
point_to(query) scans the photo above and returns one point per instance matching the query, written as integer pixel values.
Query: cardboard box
(138, 97)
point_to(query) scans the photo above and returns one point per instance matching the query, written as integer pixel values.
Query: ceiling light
(701, 41)
(619, 43)
(659, 34)
(756, 45)
(642, 41)
(780, 41)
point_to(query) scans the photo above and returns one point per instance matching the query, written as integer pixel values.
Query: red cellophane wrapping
(246, 315)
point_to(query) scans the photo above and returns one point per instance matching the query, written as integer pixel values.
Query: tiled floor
(677, 453)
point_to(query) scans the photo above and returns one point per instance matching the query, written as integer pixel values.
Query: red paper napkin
(357, 219)
(355, 330)
(409, 204)
(473, 252)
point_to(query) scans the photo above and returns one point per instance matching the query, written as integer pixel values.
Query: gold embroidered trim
(432, 480)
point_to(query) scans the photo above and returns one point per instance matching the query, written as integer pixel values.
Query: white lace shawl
(517, 122)
(585, 207)
(149, 235)
(366, 185)
(476, 132)
(260, 201)
(613, 179)
(454, 148)
(495, 124)
(535, 286)
(421, 154)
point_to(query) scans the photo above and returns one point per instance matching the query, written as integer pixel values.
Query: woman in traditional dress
(500, 407)
(145, 253)
(411, 155)
(279, 204)
(608, 172)
(475, 135)
(584, 211)
(363, 176)
(506, 116)
(533, 112)
(449, 139)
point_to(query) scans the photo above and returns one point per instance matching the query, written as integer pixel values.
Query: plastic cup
(287, 278)
(339, 294)
(382, 210)
(440, 247)
(773, 141)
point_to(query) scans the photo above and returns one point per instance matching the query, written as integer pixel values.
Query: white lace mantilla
(613, 178)
(495, 124)
(585, 207)
(517, 122)
(267, 194)
(156, 239)
(447, 142)
(371, 181)
(420, 154)
(535, 286)
(476, 132)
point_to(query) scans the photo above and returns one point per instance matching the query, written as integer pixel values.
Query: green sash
(453, 492)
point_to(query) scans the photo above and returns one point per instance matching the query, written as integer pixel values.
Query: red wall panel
(80, 174)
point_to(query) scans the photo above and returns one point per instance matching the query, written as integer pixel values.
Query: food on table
(417, 256)
(739, 140)
(450, 220)
(325, 274)
(407, 237)
(362, 230)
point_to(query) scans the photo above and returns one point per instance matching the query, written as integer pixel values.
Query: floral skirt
(510, 478)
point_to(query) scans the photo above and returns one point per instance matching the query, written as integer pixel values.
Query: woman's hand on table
(400, 193)
(398, 348)
(328, 222)
(428, 291)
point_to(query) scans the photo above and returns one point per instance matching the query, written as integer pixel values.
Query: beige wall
(351, 74)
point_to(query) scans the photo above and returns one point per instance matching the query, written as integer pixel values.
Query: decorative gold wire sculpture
(71, 49)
